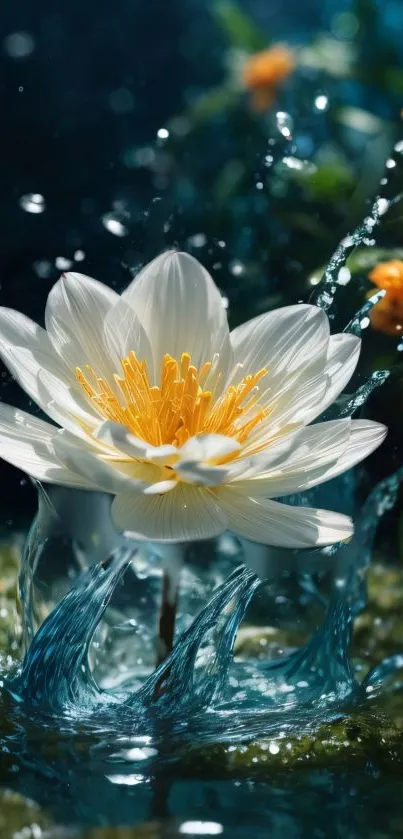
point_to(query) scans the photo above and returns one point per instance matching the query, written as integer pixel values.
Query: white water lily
(192, 428)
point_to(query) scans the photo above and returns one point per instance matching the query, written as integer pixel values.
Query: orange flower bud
(264, 71)
(387, 314)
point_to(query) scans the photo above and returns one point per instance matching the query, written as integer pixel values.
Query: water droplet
(63, 264)
(19, 44)
(390, 163)
(79, 256)
(344, 276)
(399, 147)
(274, 749)
(162, 133)
(43, 268)
(114, 225)
(284, 124)
(199, 828)
(321, 102)
(237, 268)
(198, 240)
(33, 202)
(381, 206)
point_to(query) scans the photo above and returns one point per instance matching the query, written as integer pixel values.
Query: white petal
(27, 443)
(66, 404)
(160, 488)
(208, 447)
(317, 458)
(365, 437)
(123, 333)
(300, 455)
(92, 468)
(181, 310)
(342, 358)
(28, 352)
(166, 455)
(184, 513)
(74, 316)
(119, 437)
(293, 406)
(281, 525)
(283, 340)
(201, 475)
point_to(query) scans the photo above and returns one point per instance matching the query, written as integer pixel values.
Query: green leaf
(213, 102)
(239, 28)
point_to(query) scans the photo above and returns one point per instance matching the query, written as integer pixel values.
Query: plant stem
(172, 560)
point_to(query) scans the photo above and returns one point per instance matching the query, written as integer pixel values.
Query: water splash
(202, 694)
(324, 296)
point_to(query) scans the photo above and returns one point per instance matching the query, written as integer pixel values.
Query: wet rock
(351, 741)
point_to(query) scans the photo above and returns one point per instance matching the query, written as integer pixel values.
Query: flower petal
(123, 333)
(342, 358)
(300, 454)
(201, 475)
(184, 513)
(281, 525)
(181, 310)
(321, 453)
(27, 352)
(292, 343)
(74, 316)
(207, 447)
(119, 438)
(283, 340)
(92, 468)
(160, 488)
(27, 443)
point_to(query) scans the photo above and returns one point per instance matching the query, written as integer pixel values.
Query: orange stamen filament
(179, 407)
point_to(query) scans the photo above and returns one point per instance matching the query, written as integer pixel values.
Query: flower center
(181, 406)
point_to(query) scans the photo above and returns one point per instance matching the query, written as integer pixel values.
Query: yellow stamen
(177, 408)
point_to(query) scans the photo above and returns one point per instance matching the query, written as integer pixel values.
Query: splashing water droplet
(63, 264)
(33, 202)
(43, 268)
(237, 268)
(321, 102)
(112, 223)
(198, 240)
(344, 276)
(284, 124)
(199, 828)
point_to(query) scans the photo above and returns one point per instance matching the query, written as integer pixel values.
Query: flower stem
(172, 565)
